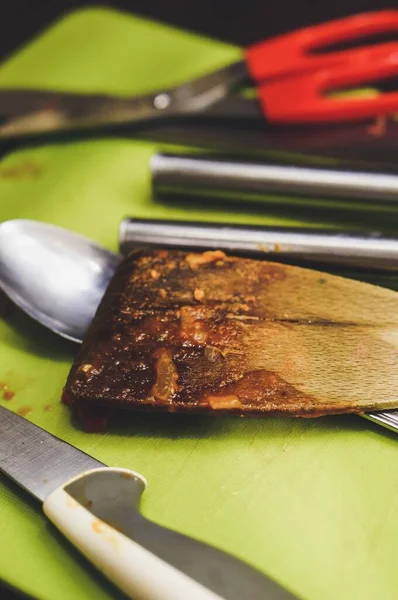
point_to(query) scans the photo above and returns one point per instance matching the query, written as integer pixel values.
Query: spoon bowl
(56, 276)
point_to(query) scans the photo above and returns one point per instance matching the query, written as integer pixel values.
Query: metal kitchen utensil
(56, 276)
(211, 176)
(294, 75)
(97, 509)
(338, 249)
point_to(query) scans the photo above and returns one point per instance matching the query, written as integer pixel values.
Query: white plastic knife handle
(132, 568)
(97, 512)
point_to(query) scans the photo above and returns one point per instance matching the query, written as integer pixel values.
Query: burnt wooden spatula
(190, 332)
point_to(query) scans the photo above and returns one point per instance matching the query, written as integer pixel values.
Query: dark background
(238, 21)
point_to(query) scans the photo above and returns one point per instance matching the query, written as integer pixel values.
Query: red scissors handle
(304, 98)
(295, 52)
(295, 85)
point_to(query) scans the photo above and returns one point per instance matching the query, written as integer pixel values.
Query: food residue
(7, 393)
(198, 294)
(24, 411)
(193, 328)
(210, 256)
(165, 385)
(48, 407)
(219, 342)
(97, 526)
(224, 402)
(270, 247)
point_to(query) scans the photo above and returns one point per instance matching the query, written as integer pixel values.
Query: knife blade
(97, 509)
(36, 460)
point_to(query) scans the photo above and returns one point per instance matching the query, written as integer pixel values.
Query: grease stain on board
(7, 394)
(27, 169)
(24, 411)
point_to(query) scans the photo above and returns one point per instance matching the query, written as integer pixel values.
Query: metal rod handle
(280, 244)
(205, 174)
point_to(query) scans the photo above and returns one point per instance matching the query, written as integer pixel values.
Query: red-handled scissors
(295, 75)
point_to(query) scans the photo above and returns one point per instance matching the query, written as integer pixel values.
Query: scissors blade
(31, 112)
(27, 112)
(39, 114)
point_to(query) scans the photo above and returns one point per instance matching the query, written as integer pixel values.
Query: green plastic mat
(313, 503)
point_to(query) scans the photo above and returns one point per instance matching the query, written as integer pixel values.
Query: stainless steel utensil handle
(202, 175)
(281, 244)
(388, 419)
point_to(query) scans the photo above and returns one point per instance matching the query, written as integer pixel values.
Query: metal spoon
(56, 276)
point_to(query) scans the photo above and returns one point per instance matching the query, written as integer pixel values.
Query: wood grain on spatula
(210, 333)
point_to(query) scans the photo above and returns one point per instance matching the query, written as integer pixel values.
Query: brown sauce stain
(48, 407)
(24, 170)
(7, 393)
(24, 411)
(97, 526)
(176, 342)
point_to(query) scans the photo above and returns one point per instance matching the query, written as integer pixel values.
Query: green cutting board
(313, 503)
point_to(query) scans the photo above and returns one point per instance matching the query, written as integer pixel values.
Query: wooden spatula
(179, 331)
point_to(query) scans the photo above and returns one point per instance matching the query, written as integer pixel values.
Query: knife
(97, 509)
